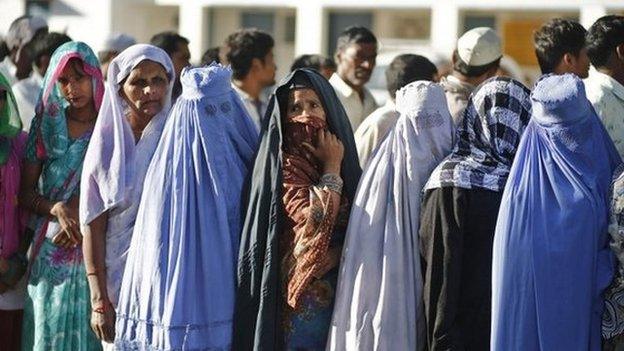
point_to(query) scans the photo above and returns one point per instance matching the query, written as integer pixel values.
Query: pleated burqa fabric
(177, 291)
(379, 297)
(551, 260)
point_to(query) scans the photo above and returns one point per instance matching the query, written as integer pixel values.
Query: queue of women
(154, 226)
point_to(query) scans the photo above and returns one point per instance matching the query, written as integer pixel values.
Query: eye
(63, 81)
(140, 82)
(295, 108)
(159, 80)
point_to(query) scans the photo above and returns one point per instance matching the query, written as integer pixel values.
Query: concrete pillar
(590, 13)
(444, 26)
(310, 32)
(194, 26)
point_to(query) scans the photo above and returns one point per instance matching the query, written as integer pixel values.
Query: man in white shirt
(403, 70)
(250, 54)
(17, 64)
(605, 85)
(27, 90)
(356, 52)
(476, 59)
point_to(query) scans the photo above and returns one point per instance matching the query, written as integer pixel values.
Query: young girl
(56, 312)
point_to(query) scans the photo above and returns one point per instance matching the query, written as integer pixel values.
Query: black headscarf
(258, 297)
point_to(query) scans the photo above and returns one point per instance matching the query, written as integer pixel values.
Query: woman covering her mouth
(298, 202)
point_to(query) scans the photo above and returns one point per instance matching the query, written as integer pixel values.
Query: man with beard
(250, 54)
(356, 51)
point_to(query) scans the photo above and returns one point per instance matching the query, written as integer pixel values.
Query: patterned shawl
(497, 113)
(312, 214)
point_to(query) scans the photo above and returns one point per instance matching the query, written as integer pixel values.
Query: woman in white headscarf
(379, 295)
(129, 126)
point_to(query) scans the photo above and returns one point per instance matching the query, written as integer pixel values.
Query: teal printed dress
(57, 309)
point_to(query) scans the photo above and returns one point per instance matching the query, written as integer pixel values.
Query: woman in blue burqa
(551, 260)
(177, 290)
(303, 182)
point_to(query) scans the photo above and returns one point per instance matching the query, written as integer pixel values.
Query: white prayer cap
(117, 42)
(22, 30)
(479, 46)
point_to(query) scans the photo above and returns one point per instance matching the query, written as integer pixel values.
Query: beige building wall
(143, 20)
(226, 20)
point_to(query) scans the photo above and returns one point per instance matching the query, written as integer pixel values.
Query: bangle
(103, 307)
(93, 272)
(332, 181)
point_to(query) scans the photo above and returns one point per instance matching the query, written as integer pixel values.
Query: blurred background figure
(4, 51)
(250, 54)
(508, 67)
(114, 44)
(27, 90)
(403, 70)
(211, 55)
(356, 52)
(605, 85)
(324, 65)
(560, 48)
(476, 59)
(17, 63)
(176, 46)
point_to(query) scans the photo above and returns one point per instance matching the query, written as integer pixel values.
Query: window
(39, 8)
(263, 21)
(474, 21)
(289, 29)
(339, 21)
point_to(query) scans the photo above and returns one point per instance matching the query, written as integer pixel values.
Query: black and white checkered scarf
(497, 114)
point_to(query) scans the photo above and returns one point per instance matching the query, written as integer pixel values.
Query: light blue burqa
(178, 285)
(551, 260)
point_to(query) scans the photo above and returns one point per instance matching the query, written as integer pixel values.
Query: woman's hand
(328, 150)
(103, 321)
(69, 236)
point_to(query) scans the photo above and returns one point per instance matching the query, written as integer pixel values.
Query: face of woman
(145, 88)
(75, 85)
(304, 102)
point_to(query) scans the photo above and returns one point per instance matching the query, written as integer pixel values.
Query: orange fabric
(311, 212)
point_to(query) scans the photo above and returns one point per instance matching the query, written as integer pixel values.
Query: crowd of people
(151, 205)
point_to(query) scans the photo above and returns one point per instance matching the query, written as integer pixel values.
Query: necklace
(81, 121)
